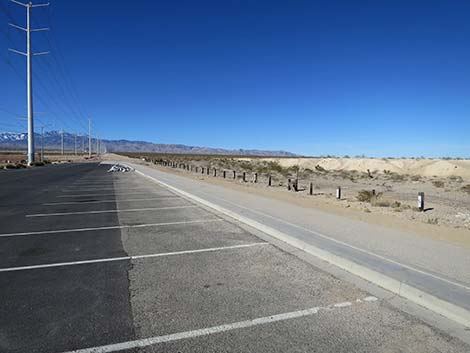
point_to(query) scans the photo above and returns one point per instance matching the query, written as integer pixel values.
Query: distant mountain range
(53, 140)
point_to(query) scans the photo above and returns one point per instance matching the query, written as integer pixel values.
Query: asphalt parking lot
(92, 261)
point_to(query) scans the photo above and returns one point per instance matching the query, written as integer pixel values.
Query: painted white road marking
(106, 189)
(109, 211)
(76, 230)
(112, 194)
(110, 201)
(123, 258)
(146, 342)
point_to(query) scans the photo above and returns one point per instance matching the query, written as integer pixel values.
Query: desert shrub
(366, 195)
(38, 164)
(293, 169)
(432, 221)
(396, 204)
(275, 167)
(416, 178)
(246, 165)
(397, 177)
(438, 183)
(319, 168)
(10, 166)
(346, 175)
(456, 178)
(466, 188)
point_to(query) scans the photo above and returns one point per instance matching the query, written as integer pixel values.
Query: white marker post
(338, 193)
(421, 201)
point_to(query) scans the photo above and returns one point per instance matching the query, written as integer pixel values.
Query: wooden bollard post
(310, 191)
(269, 180)
(244, 177)
(215, 172)
(289, 186)
(338, 193)
(225, 173)
(234, 174)
(255, 178)
(202, 170)
(421, 201)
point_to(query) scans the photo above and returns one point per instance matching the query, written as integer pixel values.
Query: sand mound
(423, 167)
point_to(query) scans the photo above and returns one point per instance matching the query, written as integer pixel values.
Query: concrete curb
(417, 296)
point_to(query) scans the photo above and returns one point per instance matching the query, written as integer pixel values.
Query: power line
(29, 55)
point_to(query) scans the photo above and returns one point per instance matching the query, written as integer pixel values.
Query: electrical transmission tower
(29, 68)
(89, 138)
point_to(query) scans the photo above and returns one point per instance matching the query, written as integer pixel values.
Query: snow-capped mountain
(53, 140)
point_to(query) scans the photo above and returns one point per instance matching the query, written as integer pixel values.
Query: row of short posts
(292, 185)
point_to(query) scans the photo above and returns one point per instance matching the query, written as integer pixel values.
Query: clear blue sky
(380, 78)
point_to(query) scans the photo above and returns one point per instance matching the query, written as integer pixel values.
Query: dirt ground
(19, 158)
(447, 199)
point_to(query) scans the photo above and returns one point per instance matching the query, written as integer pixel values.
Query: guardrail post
(310, 191)
(208, 170)
(255, 178)
(202, 170)
(296, 185)
(289, 186)
(215, 172)
(244, 177)
(234, 174)
(269, 180)
(338, 192)
(225, 173)
(421, 201)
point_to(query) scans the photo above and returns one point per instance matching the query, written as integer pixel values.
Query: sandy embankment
(422, 167)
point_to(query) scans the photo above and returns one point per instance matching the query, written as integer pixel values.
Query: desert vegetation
(363, 187)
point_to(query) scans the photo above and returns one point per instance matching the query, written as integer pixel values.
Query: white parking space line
(112, 194)
(77, 230)
(110, 201)
(108, 189)
(136, 257)
(109, 211)
(145, 342)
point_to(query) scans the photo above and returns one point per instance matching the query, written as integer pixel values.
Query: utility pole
(62, 141)
(89, 138)
(83, 144)
(29, 68)
(42, 143)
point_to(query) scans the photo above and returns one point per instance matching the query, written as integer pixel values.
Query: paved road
(104, 262)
